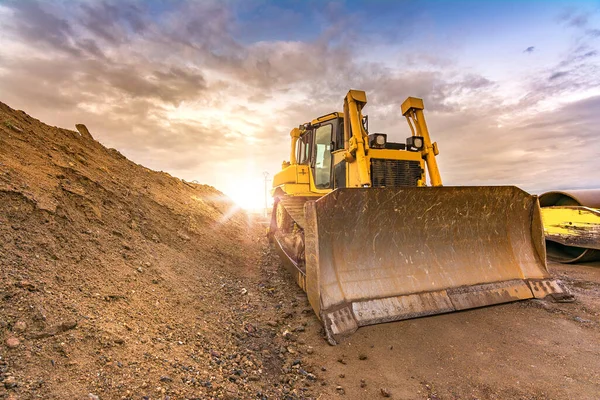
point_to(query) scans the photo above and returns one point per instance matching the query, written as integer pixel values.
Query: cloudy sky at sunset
(209, 90)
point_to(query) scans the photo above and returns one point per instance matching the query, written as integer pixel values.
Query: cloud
(593, 32)
(532, 153)
(207, 89)
(574, 18)
(113, 22)
(33, 24)
(579, 19)
(557, 75)
(530, 49)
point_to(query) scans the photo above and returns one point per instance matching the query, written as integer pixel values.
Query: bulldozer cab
(315, 146)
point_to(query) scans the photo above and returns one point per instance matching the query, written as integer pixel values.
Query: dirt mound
(121, 282)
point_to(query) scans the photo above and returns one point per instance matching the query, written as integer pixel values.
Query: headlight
(414, 143)
(377, 140)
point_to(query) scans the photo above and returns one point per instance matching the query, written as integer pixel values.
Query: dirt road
(525, 350)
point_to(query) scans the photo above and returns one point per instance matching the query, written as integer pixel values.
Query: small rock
(582, 320)
(363, 384)
(55, 330)
(385, 392)
(12, 342)
(10, 382)
(183, 236)
(289, 336)
(300, 329)
(362, 357)
(244, 291)
(24, 284)
(15, 128)
(84, 131)
(340, 390)
(272, 323)
(20, 326)
(310, 350)
(92, 396)
(342, 376)
(166, 378)
(341, 361)
(140, 270)
(215, 353)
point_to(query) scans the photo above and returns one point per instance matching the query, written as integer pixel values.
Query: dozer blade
(385, 254)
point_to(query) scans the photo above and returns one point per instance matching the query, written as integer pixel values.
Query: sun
(249, 194)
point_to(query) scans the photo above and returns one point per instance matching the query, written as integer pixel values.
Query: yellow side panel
(291, 174)
(574, 226)
(303, 174)
(352, 178)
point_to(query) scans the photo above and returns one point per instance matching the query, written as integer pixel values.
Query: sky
(208, 91)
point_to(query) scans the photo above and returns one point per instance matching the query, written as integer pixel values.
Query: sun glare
(248, 194)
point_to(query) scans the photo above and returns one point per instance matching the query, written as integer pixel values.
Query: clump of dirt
(117, 281)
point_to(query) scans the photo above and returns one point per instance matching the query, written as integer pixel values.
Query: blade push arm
(356, 145)
(412, 109)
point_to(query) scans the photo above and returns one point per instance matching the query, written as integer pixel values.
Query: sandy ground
(524, 350)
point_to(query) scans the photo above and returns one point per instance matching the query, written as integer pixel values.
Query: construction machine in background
(371, 240)
(572, 225)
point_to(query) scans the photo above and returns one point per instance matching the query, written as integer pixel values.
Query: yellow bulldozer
(371, 240)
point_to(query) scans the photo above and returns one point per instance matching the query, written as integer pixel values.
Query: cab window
(303, 148)
(322, 157)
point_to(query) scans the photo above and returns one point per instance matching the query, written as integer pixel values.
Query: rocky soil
(118, 282)
(121, 282)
